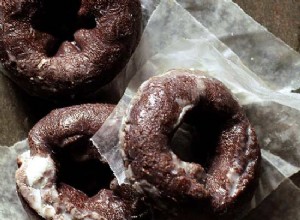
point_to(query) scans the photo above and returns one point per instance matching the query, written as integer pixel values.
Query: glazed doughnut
(54, 48)
(61, 177)
(223, 166)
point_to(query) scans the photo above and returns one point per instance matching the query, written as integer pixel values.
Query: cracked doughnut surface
(162, 105)
(54, 48)
(46, 177)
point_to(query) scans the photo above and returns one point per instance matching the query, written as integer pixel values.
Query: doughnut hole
(60, 19)
(78, 165)
(197, 137)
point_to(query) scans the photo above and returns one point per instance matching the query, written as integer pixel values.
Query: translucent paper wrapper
(10, 205)
(177, 40)
(263, 53)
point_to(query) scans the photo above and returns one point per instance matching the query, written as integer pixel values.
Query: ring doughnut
(54, 48)
(225, 161)
(61, 177)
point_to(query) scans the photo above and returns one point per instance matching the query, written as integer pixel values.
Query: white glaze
(33, 180)
(183, 112)
(234, 179)
(36, 167)
(191, 169)
(42, 63)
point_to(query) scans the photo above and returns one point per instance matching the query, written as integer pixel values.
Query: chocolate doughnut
(55, 49)
(223, 163)
(61, 177)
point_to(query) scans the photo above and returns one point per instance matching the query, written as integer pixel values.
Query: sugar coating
(154, 114)
(36, 167)
(76, 68)
(36, 176)
(34, 179)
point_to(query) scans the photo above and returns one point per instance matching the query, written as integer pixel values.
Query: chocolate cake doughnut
(56, 49)
(219, 166)
(62, 177)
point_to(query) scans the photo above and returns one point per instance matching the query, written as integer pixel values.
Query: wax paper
(263, 53)
(178, 40)
(10, 205)
(223, 44)
(283, 203)
(271, 59)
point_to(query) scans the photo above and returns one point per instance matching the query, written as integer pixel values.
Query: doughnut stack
(187, 145)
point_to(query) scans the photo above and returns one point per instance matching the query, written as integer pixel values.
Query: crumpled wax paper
(10, 205)
(263, 53)
(283, 203)
(177, 40)
(276, 67)
(271, 59)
